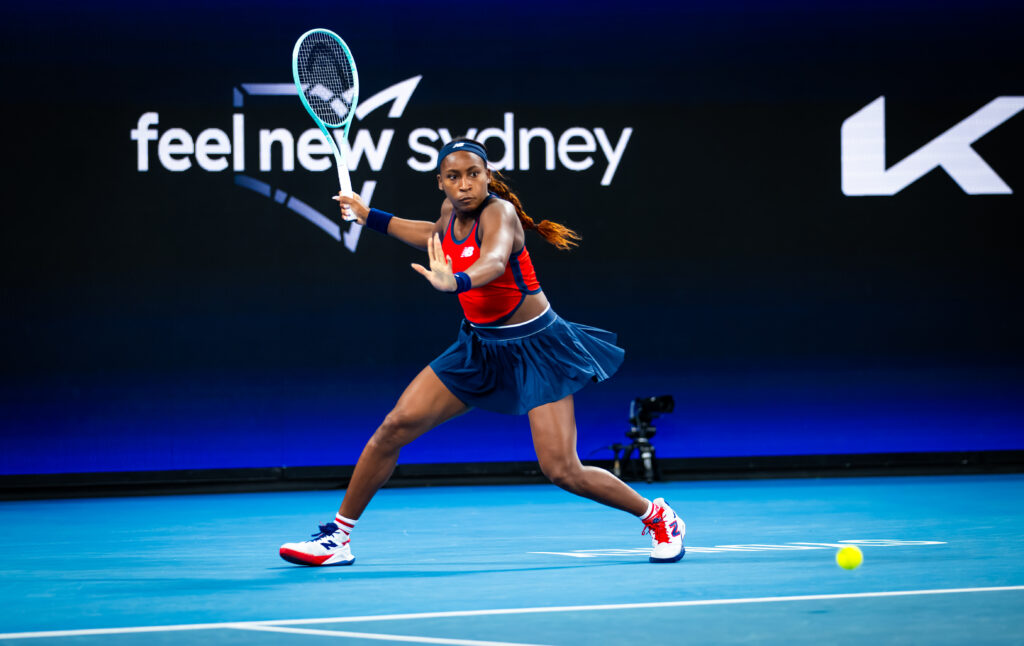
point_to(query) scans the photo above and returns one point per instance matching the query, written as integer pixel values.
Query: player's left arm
(498, 222)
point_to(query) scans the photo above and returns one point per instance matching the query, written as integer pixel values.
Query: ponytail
(557, 234)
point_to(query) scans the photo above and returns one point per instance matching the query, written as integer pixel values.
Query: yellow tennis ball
(849, 557)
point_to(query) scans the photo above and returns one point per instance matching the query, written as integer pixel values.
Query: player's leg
(554, 439)
(553, 427)
(424, 404)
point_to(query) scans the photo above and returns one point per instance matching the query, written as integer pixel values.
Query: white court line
(503, 611)
(378, 636)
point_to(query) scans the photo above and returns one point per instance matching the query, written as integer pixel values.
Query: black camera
(643, 410)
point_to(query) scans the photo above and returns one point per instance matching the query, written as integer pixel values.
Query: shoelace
(656, 527)
(325, 531)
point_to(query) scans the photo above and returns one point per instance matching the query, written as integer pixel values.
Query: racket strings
(327, 78)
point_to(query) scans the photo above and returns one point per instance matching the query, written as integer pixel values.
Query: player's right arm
(414, 233)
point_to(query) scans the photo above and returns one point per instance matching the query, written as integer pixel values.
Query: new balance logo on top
(467, 252)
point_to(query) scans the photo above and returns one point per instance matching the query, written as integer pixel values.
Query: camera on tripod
(642, 411)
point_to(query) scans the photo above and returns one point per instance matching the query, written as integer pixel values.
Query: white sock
(345, 525)
(650, 511)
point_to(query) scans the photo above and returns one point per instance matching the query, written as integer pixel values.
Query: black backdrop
(169, 320)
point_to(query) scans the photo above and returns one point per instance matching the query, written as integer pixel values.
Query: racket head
(326, 78)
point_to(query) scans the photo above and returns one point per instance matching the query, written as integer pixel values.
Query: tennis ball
(849, 557)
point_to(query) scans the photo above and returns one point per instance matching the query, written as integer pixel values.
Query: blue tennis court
(527, 564)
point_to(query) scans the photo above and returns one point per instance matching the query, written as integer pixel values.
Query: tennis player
(513, 355)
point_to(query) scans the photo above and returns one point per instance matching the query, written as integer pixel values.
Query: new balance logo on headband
(459, 145)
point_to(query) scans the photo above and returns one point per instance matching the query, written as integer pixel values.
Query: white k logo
(863, 152)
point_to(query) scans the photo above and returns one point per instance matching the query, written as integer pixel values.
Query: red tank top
(496, 301)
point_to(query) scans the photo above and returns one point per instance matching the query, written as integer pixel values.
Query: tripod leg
(648, 457)
(627, 463)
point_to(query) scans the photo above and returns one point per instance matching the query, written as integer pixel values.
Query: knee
(562, 473)
(395, 432)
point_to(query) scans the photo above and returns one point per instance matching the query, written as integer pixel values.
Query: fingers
(435, 251)
(345, 202)
(351, 198)
(430, 249)
(352, 207)
(440, 273)
(438, 260)
(431, 277)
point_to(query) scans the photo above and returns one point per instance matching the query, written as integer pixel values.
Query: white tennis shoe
(328, 547)
(667, 531)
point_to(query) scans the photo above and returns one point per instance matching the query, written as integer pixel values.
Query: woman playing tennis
(514, 355)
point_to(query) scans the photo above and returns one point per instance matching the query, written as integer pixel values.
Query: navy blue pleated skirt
(515, 368)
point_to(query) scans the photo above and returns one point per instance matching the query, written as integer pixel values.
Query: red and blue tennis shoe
(667, 531)
(328, 547)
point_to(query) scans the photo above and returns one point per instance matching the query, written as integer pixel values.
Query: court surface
(526, 565)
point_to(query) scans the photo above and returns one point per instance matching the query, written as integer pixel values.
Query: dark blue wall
(170, 320)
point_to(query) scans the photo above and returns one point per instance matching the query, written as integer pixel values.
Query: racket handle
(346, 189)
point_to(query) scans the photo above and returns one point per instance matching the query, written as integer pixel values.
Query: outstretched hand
(440, 273)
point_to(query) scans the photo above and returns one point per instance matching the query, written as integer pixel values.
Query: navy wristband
(462, 282)
(379, 220)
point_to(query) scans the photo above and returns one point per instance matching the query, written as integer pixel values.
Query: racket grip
(346, 189)
(346, 213)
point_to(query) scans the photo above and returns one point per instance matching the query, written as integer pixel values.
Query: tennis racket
(325, 76)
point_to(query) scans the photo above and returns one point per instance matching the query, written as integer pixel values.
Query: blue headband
(455, 146)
